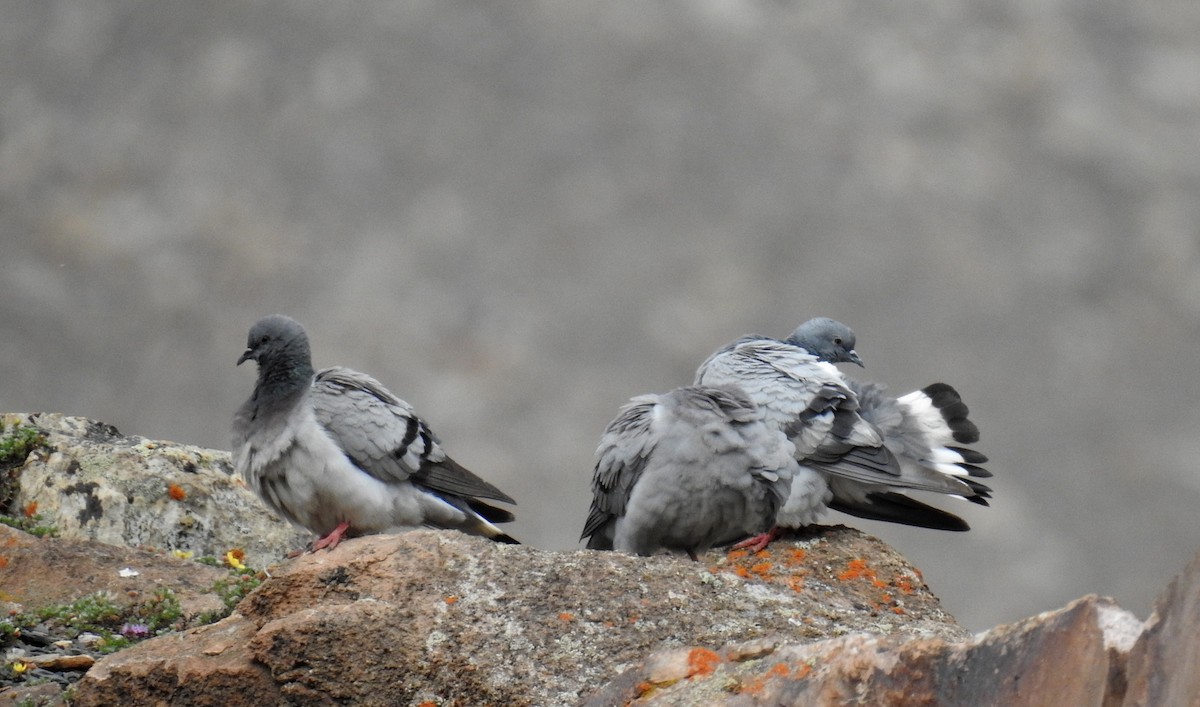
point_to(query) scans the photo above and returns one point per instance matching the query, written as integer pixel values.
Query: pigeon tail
(895, 507)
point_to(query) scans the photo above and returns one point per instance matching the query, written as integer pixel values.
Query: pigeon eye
(837, 340)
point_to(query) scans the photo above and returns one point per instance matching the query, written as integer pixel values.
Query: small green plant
(34, 525)
(162, 611)
(232, 590)
(95, 612)
(17, 442)
(8, 630)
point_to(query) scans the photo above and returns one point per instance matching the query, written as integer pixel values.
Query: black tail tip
(942, 394)
(954, 411)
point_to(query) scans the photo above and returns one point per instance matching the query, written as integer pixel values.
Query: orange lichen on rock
(762, 569)
(737, 554)
(796, 584)
(30, 509)
(176, 492)
(903, 584)
(566, 616)
(858, 569)
(3, 562)
(756, 685)
(452, 599)
(702, 661)
(795, 556)
(854, 570)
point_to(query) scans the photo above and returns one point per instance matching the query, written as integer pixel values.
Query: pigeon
(845, 459)
(686, 470)
(338, 454)
(925, 429)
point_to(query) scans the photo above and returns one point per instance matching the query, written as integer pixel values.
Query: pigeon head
(277, 341)
(827, 339)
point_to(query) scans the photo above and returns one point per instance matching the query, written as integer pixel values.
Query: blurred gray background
(519, 215)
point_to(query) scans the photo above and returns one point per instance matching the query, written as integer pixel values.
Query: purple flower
(135, 631)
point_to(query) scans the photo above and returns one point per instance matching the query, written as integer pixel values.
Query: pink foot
(760, 541)
(335, 536)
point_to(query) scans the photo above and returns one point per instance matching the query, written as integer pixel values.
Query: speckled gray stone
(93, 483)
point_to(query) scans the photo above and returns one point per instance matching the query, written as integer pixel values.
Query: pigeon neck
(284, 378)
(801, 344)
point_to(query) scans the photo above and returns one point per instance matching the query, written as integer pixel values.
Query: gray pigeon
(338, 454)
(845, 461)
(925, 429)
(686, 470)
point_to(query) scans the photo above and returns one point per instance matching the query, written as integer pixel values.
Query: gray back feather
(384, 437)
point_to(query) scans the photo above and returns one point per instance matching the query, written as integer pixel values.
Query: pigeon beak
(855, 358)
(246, 356)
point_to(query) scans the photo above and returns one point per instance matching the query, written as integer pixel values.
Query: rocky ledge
(439, 618)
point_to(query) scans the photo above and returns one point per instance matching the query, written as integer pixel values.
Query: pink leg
(335, 536)
(759, 542)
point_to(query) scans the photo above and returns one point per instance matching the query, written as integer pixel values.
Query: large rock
(1073, 656)
(1164, 665)
(451, 619)
(1090, 653)
(91, 482)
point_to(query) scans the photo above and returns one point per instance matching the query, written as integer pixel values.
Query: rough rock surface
(91, 482)
(1090, 653)
(1073, 656)
(451, 619)
(1163, 664)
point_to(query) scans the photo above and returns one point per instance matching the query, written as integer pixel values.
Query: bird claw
(332, 539)
(759, 542)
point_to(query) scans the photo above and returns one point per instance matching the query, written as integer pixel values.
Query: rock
(1090, 653)
(1061, 657)
(61, 662)
(438, 616)
(91, 482)
(1163, 662)
(46, 694)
